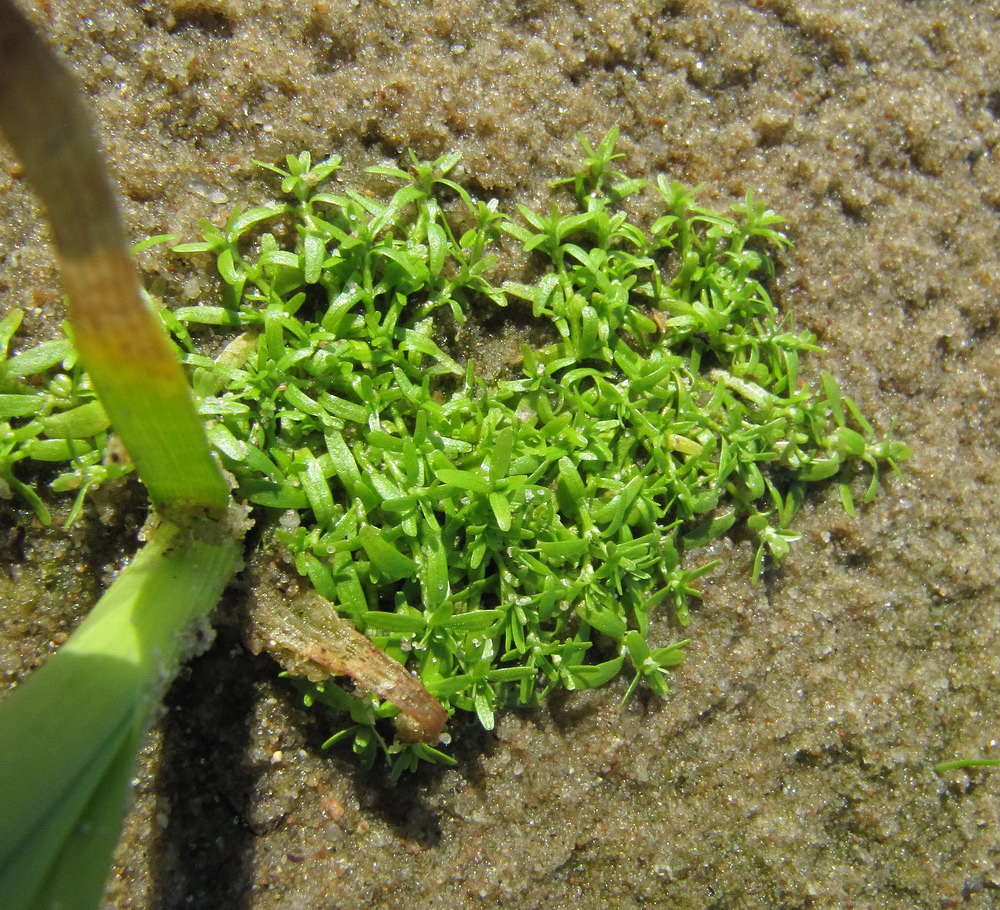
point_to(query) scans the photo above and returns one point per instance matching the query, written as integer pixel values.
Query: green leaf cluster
(49, 412)
(502, 538)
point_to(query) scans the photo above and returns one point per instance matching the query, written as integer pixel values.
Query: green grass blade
(943, 766)
(79, 876)
(65, 732)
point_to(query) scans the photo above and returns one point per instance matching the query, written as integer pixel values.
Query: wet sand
(791, 764)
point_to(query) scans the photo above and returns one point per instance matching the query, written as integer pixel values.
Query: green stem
(69, 733)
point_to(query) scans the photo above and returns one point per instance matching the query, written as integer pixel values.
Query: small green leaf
(463, 480)
(435, 588)
(474, 621)
(20, 405)
(399, 623)
(227, 267)
(437, 248)
(604, 620)
(501, 453)
(40, 358)
(8, 326)
(590, 676)
(709, 530)
(501, 510)
(317, 490)
(852, 442)
(384, 555)
(77, 423)
(57, 449)
(313, 254)
(484, 710)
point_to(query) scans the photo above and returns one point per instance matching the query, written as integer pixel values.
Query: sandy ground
(791, 765)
